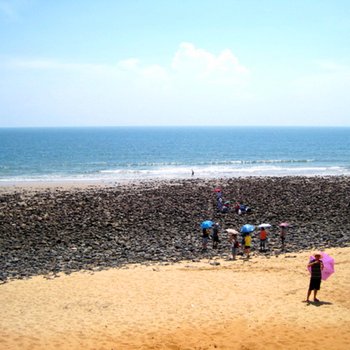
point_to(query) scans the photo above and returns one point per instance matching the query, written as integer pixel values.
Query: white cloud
(37, 64)
(194, 84)
(189, 65)
(203, 65)
(46, 64)
(152, 72)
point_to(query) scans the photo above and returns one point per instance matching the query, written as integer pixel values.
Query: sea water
(139, 153)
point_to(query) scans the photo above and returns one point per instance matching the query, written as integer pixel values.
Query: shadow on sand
(317, 303)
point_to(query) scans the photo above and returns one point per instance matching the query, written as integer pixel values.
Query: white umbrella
(264, 226)
(232, 231)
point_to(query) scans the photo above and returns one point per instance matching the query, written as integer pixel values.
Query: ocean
(139, 153)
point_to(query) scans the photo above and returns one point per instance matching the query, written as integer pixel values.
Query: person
(205, 238)
(245, 209)
(234, 245)
(192, 172)
(218, 193)
(215, 236)
(316, 265)
(283, 234)
(225, 208)
(219, 204)
(237, 208)
(242, 209)
(243, 240)
(247, 244)
(263, 238)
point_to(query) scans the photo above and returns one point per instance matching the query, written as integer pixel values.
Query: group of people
(221, 205)
(246, 242)
(210, 233)
(240, 208)
(316, 265)
(225, 206)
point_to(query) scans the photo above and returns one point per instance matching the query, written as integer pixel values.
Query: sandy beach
(86, 299)
(254, 304)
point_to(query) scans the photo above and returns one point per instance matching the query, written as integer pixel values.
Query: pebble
(51, 231)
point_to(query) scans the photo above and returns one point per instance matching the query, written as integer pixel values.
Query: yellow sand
(235, 305)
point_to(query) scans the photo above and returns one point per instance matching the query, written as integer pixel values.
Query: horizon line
(169, 126)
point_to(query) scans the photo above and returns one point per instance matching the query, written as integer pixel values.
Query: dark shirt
(316, 269)
(205, 233)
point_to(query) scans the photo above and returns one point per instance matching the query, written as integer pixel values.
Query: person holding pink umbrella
(316, 266)
(321, 267)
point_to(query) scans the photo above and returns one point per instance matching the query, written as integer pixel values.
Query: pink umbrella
(328, 265)
(284, 224)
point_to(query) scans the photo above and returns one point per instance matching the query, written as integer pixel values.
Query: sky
(176, 62)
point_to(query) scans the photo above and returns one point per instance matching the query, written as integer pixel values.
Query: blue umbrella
(247, 228)
(207, 224)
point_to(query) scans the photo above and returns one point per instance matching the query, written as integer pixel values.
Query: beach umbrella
(264, 226)
(247, 228)
(284, 224)
(328, 265)
(232, 231)
(207, 224)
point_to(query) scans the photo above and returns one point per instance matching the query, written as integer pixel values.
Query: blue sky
(152, 62)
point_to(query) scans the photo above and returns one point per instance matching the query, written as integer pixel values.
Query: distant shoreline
(82, 184)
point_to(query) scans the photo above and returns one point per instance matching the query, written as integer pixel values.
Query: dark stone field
(56, 230)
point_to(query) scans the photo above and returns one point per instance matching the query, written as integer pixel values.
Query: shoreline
(100, 183)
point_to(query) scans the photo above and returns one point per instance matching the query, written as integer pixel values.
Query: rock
(47, 231)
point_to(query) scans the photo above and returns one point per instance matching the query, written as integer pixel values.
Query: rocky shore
(49, 231)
